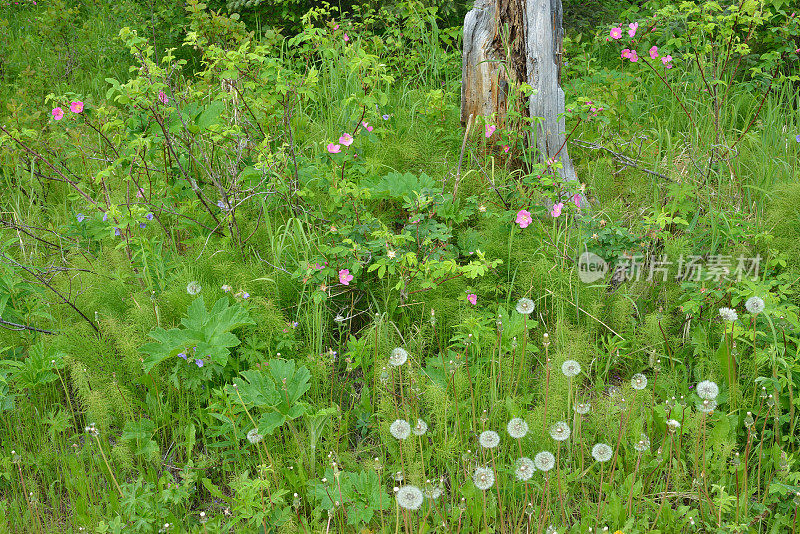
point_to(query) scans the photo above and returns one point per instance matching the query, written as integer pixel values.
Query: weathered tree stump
(532, 54)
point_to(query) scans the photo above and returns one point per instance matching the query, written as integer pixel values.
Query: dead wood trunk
(519, 41)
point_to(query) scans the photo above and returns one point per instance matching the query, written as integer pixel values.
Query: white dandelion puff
(673, 425)
(728, 314)
(602, 452)
(420, 428)
(489, 439)
(525, 306)
(253, 436)
(517, 428)
(524, 468)
(583, 408)
(398, 357)
(638, 381)
(707, 390)
(560, 431)
(544, 461)
(570, 368)
(754, 305)
(483, 478)
(400, 429)
(409, 497)
(707, 405)
(643, 444)
(193, 287)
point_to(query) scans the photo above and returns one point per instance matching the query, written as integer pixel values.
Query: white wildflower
(483, 478)
(398, 357)
(544, 461)
(420, 428)
(560, 431)
(400, 429)
(570, 368)
(638, 381)
(707, 390)
(517, 428)
(409, 497)
(524, 468)
(728, 314)
(489, 439)
(754, 305)
(602, 452)
(525, 306)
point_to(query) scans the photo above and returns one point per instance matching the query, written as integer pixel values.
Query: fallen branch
(622, 158)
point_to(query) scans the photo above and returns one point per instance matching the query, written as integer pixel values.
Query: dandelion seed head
(560, 431)
(544, 461)
(400, 429)
(483, 478)
(409, 497)
(707, 405)
(489, 439)
(193, 287)
(525, 306)
(754, 305)
(524, 468)
(398, 357)
(420, 428)
(602, 452)
(673, 425)
(728, 314)
(638, 381)
(570, 368)
(583, 408)
(707, 390)
(643, 444)
(517, 428)
(254, 437)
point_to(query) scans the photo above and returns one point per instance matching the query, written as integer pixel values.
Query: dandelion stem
(108, 466)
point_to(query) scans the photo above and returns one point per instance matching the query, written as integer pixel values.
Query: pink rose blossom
(556, 210)
(634, 57)
(506, 148)
(162, 97)
(76, 107)
(346, 38)
(524, 218)
(490, 128)
(58, 113)
(472, 298)
(616, 33)
(666, 59)
(346, 139)
(576, 199)
(366, 126)
(626, 52)
(633, 27)
(653, 52)
(334, 149)
(345, 277)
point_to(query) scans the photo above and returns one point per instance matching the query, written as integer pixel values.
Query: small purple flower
(199, 362)
(797, 138)
(117, 232)
(149, 216)
(294, 324)
(385, 117)
(182, 355)
(245, 295)
(221, 205)
(142, 225)
(105, 216)
(80, 217)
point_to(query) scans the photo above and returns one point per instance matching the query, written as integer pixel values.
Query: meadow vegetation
(258, 278)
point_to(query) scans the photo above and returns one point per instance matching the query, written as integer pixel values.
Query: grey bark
(483, 82)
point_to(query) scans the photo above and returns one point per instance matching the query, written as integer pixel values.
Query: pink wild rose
(490, 128)
(524, 218)
(634, 57)
(626, 53)
(556, 210)
(162, 97)
(506, 148)
(345, 277)
(346, 139)
(58, 113)
(616, 33)
(654, 52)
(76, 107)
(666, 61)
(472, 298)
(346, 38)
(366, 126)
(334, 149)
(633, 27)
(576, 199)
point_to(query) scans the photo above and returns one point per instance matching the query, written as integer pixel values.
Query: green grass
(172, 443)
